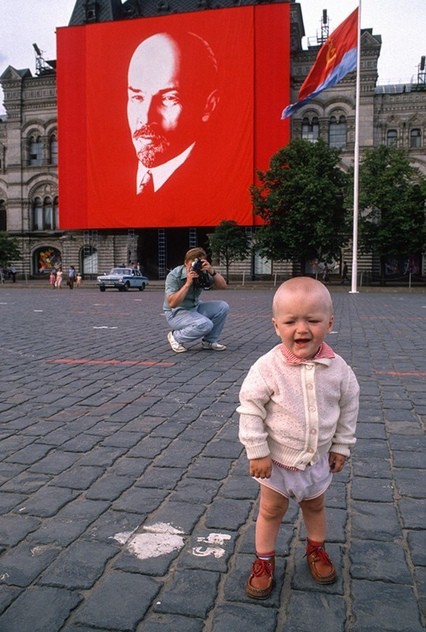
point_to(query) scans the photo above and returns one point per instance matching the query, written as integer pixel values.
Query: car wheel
(102, 288)
(126, 286)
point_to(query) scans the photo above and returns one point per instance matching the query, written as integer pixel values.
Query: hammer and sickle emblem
(331, 52)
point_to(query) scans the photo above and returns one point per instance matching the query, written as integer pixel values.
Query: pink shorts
(301, 484)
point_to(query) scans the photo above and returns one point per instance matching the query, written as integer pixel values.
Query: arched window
(36, 150)
(337, 132)
(45, 213)
(415, 138)
(53, 150)
(310, 129)
(392, 138)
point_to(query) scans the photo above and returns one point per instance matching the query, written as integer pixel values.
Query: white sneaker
(212, 346)
(175, 345)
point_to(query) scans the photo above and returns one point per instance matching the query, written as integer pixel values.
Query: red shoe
(321, 567)
(261, 581)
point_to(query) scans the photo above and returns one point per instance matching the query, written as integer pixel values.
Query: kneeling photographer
(189, 318)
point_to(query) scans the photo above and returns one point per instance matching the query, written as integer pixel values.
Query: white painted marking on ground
(162, 538)
(159, 539)
(213, 545)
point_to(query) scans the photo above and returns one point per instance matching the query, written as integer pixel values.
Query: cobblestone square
(125, 499)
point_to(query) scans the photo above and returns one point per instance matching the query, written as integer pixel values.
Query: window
(37, 214)
(45, 213)
(3, 216)
(89, 259)
(55, 213)
(310, 129)
(415, 138)
(53, 150)
(337, 132)
(392, 138)
(36, 150)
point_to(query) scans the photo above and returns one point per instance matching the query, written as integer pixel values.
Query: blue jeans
(204, 321)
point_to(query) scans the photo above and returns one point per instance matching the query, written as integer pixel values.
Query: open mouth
(301, 342)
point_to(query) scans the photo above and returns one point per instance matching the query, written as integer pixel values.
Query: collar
(325, 352)
(163, 172)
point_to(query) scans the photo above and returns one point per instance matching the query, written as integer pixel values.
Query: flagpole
(356, 161)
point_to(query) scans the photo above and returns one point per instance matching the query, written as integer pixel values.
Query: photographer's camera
(203, 280)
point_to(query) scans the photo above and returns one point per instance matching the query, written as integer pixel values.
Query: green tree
(9, 249)
(392, 205)
(301, 200)
(230, 243)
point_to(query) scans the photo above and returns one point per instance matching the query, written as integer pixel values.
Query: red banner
(164, 121)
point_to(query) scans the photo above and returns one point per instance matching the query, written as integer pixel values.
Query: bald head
(303, 289)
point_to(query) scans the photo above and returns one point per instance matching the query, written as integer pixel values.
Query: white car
(123, 279)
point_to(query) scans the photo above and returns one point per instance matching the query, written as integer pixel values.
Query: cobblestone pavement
(125, 500)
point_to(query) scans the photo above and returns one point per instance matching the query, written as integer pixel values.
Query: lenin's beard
(151, 148)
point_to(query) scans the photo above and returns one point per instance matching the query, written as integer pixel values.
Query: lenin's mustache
(146, 131)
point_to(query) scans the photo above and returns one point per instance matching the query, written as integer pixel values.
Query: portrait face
(164, 114)
(207, 78)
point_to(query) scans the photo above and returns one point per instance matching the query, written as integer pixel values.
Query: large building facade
(29, 195)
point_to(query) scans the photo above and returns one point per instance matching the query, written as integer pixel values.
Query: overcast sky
(400, 23)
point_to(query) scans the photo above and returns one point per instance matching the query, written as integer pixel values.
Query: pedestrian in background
(71, 277)
(52, 278)
(59, 275)
(298, 411)
(326, 273)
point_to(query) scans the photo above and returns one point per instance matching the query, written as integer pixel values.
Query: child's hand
(261, 468)
(336, 461)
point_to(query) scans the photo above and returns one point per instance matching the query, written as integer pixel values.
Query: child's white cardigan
(297, 413)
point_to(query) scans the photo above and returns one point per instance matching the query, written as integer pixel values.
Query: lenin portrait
(164, 121)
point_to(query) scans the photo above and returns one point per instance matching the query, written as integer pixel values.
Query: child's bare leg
(271, 511)
(320, 565)
(314, 518)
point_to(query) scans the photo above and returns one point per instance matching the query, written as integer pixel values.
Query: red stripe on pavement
(111, 362)
(402, 373)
